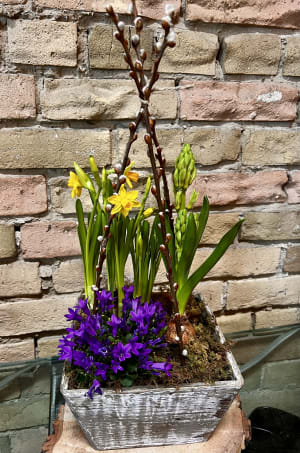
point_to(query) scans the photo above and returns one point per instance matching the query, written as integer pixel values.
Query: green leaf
(127, 381)
(188, 250)
(185, 291)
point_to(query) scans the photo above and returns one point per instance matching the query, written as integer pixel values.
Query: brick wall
(230, 88)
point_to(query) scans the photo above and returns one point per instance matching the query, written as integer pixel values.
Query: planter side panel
(166, 417)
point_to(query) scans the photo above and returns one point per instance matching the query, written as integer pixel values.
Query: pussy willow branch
(145, 91)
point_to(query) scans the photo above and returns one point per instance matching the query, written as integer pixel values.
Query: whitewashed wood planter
(141, 417)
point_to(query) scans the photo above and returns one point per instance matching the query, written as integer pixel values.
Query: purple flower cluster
(108, 348)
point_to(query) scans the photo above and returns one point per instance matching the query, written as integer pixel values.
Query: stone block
(241, 261)
(271, 147)
(52, 240)
(271, 226)
(22, 195)
(7, 241)
(29, 440)
(47, 314)
(281, 375)
(263, 292)
(276, 317)
(217, 225)
(252, 53)
(228, 101)
(106, 52)
(17, 350)
(24, 413)
(48, 346)
(42, 42)
(292, 61)
(12, 391)
(106, 99)
(286, 400)
(62, 200)
(240, 188)
(235, 323)
(38, 384)
(21, 148)
(19, 279)
(17, 96)
(195, 53)
(5, 444)
(252, 379)
(273, 14)
(292, 260)
(212, 294)
(293, 187)
(69, 277)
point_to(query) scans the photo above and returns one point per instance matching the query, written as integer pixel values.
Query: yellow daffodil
(75, 184)
(130, 175)
(124, 201)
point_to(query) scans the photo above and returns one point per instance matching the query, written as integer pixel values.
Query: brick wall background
(230, 88)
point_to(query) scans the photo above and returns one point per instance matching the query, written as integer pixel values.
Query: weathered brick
(61, 199)
(276, 317)
(44, 315)
(51, 240)
(106, 52)
(252, 53)
(292, 61)
(19, 279)
(7, 241)
(240, 188)
(17, 96)
(68, 277)
(273, 14)
(22, 195)
(48, 346)
(271, 226)
(38, 384)
(293, 187)
(21, 148)
(263, 292)
(148, 8)
(42, 42)
(217, 225)
(210, 145)
(17, 350)
(28, 440)
(292, 260)
(227, 101)
(24, 413)
(285, 399)
(195, 53)
(241, 261)
(91, 99)
(235, 323)
(271, 147)
(211, 293)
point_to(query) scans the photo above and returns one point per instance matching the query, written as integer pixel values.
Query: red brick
(17, 96)
(227, 101)
(49, 240)
(293, 187)
(270, 13)
(240, 188)
(148, 8)
(22, 195)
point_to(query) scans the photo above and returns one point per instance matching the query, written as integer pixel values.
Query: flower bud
(109, 9)
(138, 22)
(176, 338)
(108, 207)
(147, 139)
(100, 238)
(148, 212)
(169, 9)
(121, 26)
(158, 47)
(135, 40)
(138, 65)
(184, 353)
(84, 179)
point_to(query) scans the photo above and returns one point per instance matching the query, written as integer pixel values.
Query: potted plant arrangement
(144, 369)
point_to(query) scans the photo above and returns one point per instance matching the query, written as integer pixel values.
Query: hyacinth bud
(193, 199)
(184, 175)
(180, 227)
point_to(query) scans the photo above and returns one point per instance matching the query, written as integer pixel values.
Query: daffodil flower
(130, 175)
(75, 184)
(124, 201)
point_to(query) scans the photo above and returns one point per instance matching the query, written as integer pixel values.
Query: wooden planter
(141, 417)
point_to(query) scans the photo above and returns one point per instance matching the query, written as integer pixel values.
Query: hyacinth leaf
(188, 250)
(185, 291)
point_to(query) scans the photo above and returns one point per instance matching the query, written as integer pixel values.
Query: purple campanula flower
(135, 345)
(114, 323)
(95, 388)
(115, 366)
(165, 367)
(83, 305)
(105, 299)
(121, 352)
(101, 369)
(73, 315)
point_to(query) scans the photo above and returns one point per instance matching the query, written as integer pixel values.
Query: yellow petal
(116, 209)
(133, 176)
(113, 199)
(132, 195)
(129, 182)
